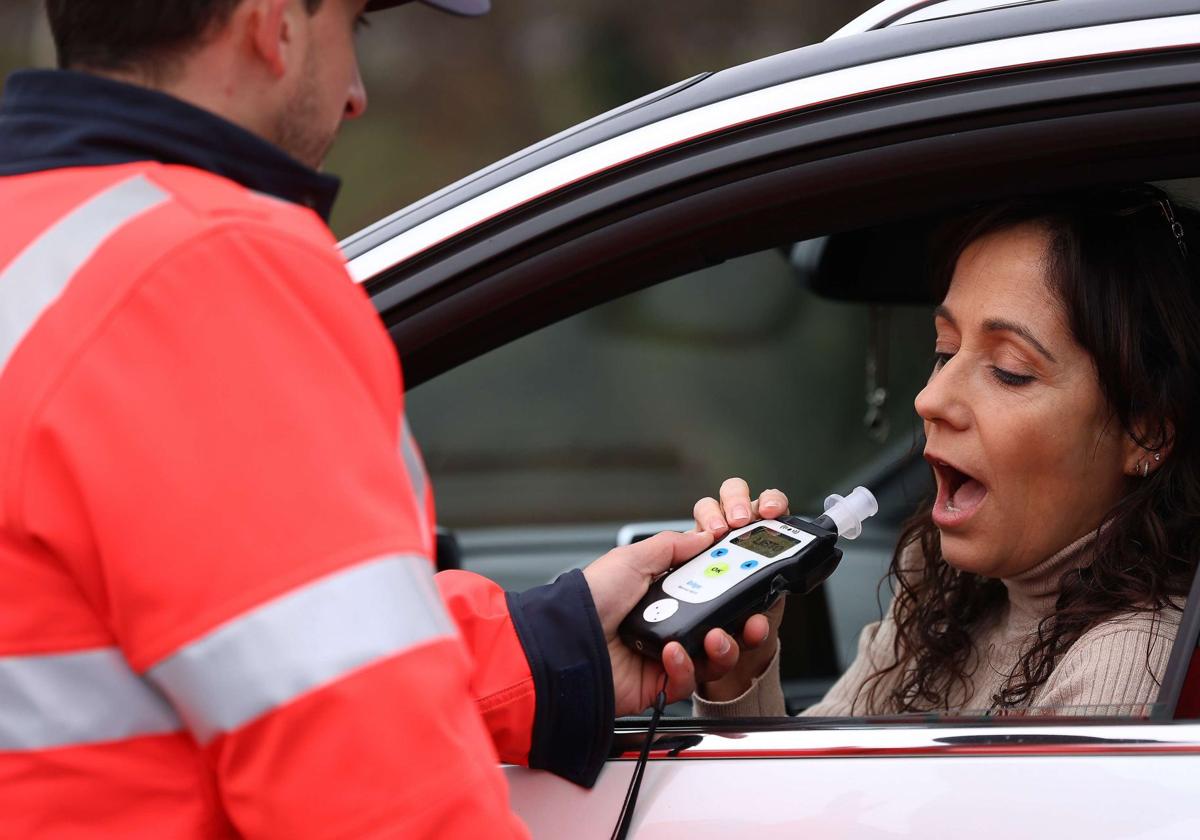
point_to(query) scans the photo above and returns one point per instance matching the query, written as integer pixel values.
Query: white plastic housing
(849, 512)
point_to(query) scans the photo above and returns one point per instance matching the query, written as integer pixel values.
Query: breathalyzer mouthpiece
(848, 512)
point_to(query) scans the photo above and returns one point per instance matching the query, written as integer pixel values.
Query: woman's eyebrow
(942, 312)
(1000, 325)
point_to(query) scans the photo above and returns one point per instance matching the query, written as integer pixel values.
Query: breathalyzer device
(743, 574)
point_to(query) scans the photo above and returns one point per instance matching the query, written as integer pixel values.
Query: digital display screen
(765, 541)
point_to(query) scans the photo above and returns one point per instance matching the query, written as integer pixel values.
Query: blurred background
(449, 95)
(633, 410)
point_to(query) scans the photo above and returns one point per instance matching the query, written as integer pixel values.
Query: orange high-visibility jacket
(218, 612)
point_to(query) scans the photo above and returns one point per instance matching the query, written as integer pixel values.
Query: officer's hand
(759, 641)
(618, 580)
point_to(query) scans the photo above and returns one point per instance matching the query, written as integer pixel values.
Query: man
(218, 615)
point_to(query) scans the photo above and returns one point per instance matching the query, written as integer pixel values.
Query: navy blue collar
(51, 119)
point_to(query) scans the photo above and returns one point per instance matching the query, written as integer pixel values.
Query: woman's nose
(942, 399)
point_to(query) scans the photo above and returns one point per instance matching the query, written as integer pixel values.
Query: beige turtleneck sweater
(1113, 669)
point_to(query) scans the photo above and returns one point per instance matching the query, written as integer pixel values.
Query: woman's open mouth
(959, 494)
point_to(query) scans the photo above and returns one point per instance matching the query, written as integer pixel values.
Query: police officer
(218, 614)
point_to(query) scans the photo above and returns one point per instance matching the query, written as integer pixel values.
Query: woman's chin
(967, 555)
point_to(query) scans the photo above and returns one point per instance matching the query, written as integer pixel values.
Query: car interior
(793, 366)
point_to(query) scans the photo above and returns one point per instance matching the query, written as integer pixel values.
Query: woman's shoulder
(1161, 623)
(1115, 668)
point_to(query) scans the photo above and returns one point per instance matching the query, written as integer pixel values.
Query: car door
(645, 266)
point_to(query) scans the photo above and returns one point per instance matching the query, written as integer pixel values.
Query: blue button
(718, 552)
(749, 564)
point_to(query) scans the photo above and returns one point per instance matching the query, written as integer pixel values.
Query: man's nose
(356, 97)
(943, 397)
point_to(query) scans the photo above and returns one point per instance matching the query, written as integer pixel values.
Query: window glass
(635, 409)
(540, 450)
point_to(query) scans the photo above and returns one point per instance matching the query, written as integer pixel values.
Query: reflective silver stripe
(413, 462)
(415, 465)
(39, 274)
(80, 698)
(301, 641)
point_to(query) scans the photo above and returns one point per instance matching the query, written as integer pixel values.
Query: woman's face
(1026, 456)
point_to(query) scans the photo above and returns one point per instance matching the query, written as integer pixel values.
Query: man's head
(134, 36)
(285, 69)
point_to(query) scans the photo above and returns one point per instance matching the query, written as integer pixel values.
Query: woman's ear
(1141, 456)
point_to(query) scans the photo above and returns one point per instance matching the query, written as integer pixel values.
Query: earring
(1157, 457)
(1145, 468)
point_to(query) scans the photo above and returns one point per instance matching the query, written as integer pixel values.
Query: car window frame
(862, 162)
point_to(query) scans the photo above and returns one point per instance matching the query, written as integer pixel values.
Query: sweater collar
(52, 119)
(1034, 592)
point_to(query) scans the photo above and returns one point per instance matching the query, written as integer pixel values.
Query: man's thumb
(655, 555)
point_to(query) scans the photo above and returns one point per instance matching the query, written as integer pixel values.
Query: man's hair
(134, 35)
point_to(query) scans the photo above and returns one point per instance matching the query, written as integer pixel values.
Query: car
(725, 277)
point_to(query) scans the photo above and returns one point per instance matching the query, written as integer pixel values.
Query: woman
(1060, 421)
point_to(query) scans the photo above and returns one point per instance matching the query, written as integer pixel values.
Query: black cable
(635, 782)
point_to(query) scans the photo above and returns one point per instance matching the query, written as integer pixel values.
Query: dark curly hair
(1131, 293)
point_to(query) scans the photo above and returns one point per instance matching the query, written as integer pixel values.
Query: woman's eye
(940, 359)
(1007, 377)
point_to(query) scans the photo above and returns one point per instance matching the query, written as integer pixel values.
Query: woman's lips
(959, 495)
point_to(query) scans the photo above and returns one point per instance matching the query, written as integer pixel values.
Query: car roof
(901, 12)
(892, 30)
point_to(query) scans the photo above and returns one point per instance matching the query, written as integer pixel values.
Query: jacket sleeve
(541, 674)
(231, 440)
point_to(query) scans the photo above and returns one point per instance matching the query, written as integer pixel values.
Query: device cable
(635, 781)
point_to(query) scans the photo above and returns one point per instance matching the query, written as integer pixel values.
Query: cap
(469, 8)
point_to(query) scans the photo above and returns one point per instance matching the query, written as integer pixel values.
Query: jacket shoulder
(216, 200)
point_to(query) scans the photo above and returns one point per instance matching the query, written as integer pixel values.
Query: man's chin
(307, 149)
(317, 159)
(314, 159)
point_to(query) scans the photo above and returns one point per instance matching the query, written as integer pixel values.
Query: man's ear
(271, 30)
(1141, 460)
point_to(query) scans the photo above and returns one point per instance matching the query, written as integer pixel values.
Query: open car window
(635, 409)
(631, 411)
(628, 412)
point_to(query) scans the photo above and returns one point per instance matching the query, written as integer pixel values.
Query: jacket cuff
(572, 676)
